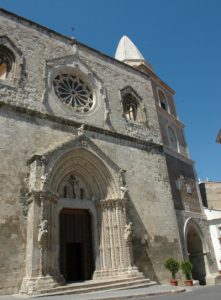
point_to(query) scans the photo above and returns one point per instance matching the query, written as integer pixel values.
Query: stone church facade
(96, 182)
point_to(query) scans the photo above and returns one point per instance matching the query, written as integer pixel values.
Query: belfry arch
(77, 182)
(196, 250)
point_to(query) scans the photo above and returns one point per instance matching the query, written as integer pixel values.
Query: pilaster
(115, 240)
(41, 271)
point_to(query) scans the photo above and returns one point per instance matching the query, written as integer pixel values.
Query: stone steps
(94, 286)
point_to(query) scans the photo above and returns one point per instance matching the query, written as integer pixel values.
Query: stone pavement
(109, 295)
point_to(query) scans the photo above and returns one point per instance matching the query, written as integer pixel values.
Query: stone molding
(90, 128)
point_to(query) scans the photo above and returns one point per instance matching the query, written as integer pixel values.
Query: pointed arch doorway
(76, 255)
(196, 249)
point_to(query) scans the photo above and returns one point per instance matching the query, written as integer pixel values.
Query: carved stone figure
(81, 130)
(128, 232)
(43, 230)
(124, 191)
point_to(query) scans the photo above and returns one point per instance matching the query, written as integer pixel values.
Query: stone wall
(182, 173)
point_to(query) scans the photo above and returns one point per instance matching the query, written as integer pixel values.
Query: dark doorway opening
(74, 266)
(196, 256)
(76, 257)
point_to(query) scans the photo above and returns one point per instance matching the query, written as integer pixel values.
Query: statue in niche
(43, 230)
(128, 232)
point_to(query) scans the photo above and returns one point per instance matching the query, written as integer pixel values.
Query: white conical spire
(128, 53)
(127, 50)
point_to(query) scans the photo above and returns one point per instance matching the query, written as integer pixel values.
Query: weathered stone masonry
(103, 155)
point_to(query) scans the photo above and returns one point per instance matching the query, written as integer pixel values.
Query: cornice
(178, 155)
(170, 117)
(68, 122)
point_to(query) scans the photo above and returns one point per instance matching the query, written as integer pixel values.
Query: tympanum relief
(73, 187)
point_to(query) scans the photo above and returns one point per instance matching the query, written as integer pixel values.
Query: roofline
(39, 26)
(72, 40)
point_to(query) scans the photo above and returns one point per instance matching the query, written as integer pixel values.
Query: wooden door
(76, 257)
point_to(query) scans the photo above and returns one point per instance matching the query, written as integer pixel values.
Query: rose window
(73, 91)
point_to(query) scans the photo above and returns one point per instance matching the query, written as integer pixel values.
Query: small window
(172, 138)
(178, 184)
(7, 60)
(163, 100)
(130, 106)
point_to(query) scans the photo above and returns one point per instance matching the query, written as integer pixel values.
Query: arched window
(7, 61)
(130, 108)
(172, 138)
(163, 100)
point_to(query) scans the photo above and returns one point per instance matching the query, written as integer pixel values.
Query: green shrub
(173, 266)
(187, 267)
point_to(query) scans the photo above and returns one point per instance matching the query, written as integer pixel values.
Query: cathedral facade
(96, 181)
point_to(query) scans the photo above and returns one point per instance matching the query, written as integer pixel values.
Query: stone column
(42, 234)
(115, 240)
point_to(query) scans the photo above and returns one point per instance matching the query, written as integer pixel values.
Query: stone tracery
(73, 91)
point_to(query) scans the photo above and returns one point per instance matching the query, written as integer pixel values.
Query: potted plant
(186, 267)
(173, 266)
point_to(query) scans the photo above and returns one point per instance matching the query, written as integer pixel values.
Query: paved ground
(163, 292)
(198, 293)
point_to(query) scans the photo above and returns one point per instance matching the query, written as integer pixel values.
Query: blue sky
(180, 38)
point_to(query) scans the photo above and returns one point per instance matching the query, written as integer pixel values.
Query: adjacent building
(211, 197)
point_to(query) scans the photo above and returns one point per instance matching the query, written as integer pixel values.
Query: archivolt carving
(82, 158)
(89, 168)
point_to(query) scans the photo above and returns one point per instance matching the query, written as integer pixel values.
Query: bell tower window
(163, 100)
(173, 138)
